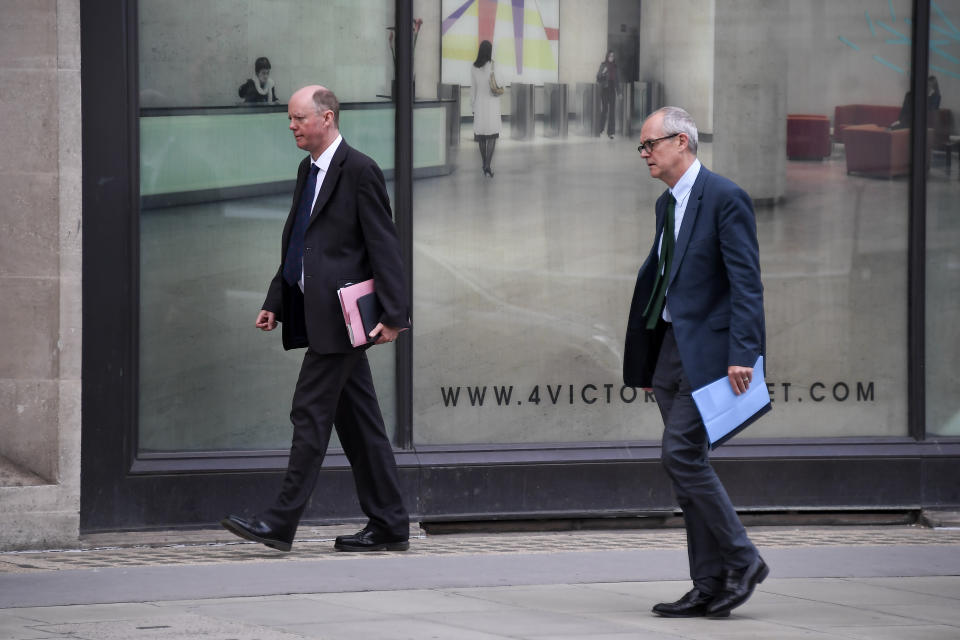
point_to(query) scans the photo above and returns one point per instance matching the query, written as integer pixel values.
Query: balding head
(314, 113)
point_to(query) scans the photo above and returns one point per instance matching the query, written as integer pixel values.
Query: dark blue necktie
(293, 262)
(654, 307)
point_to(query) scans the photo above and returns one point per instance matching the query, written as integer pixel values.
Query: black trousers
(336, 390)
(608, 110)
(716, 539)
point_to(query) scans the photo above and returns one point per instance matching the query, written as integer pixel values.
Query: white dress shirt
(681, 193)
(323, 165)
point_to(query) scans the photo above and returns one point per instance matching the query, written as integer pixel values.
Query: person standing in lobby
(485, 102)
(339, 231)
(608, 81)
(697, 316)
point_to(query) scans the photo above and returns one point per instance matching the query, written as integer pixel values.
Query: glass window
(943, 224)
(217, 172)
(524, 272)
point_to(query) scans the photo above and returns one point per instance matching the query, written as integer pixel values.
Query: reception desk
(190, 155)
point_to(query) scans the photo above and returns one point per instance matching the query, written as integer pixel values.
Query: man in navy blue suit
(696, 316)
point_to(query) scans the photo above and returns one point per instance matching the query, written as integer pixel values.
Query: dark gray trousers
(716, 539)
(336, 391)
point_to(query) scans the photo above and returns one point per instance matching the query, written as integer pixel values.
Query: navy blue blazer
(350, 238)
(714, 294)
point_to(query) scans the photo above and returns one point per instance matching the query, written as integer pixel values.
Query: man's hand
(266, 320)
(383, 333)
(740, 378)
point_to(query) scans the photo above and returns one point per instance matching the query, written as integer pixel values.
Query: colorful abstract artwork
(525, 36)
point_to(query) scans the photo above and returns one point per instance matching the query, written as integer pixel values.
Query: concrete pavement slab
(919, 632)
(901, 583)
(400, 628)
(164, 627)
(410, 602)
(941, 586)
(386, 572)
(277, 611)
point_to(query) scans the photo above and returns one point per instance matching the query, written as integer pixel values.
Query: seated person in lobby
(259, 88)
(906, 111)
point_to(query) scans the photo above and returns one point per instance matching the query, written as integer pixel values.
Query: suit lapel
(689, 220)
(298, 189)
(329, 180)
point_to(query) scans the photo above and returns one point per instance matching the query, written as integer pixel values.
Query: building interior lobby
(522, 281)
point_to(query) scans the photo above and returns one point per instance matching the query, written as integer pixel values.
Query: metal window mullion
(403, 208)
(917, 228)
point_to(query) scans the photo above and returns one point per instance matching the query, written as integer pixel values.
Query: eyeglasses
(649, 144)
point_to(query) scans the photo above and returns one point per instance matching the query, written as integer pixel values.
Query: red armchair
(808, 137)
(847, 115)
(877, 151)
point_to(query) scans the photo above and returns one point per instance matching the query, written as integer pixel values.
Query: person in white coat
(485, 102)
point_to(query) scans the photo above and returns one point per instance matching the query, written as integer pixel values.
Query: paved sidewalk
(881, 582)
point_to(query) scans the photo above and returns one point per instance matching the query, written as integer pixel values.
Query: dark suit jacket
(350, 238)
(714, 294)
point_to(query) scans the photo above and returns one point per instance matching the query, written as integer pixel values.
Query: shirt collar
(682, 189)
(323, 162)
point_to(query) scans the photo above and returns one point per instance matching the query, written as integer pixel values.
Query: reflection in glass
(216, 187)
(523, 281)
(943, 231)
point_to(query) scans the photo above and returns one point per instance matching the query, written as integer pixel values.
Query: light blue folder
(724, 413)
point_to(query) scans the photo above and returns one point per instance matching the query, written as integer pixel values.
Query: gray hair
(676, 120)
(325, 100)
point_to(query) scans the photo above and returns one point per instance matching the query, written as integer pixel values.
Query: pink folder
(351, 315)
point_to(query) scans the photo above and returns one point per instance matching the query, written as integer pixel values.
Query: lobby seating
(942, 125)
(848, 115)
(808, 137)
(877, 151)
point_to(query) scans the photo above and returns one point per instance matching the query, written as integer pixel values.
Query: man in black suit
(696, 316)
(339, 231)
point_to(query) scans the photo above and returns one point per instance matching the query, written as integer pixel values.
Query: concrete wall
(198, 54)
(823, 72)
(583, 40)
(750, 95)
(40, 265)
(677, 50)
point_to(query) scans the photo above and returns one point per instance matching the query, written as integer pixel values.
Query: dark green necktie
(655, 305)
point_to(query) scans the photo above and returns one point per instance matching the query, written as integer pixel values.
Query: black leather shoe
(692, 605)
(256, 530)
(738, 587)
(371, 540)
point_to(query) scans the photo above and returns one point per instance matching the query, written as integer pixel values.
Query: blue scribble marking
(848, 43)
(887, 63)
(944, 17)
(890, 29)
(944, 36)
(944, 54)
(946, 72)
(944, 32)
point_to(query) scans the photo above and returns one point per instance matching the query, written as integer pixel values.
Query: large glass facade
(216, 178)
(943, 224)
(523, 279)
(523, 274)
(505, 400)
